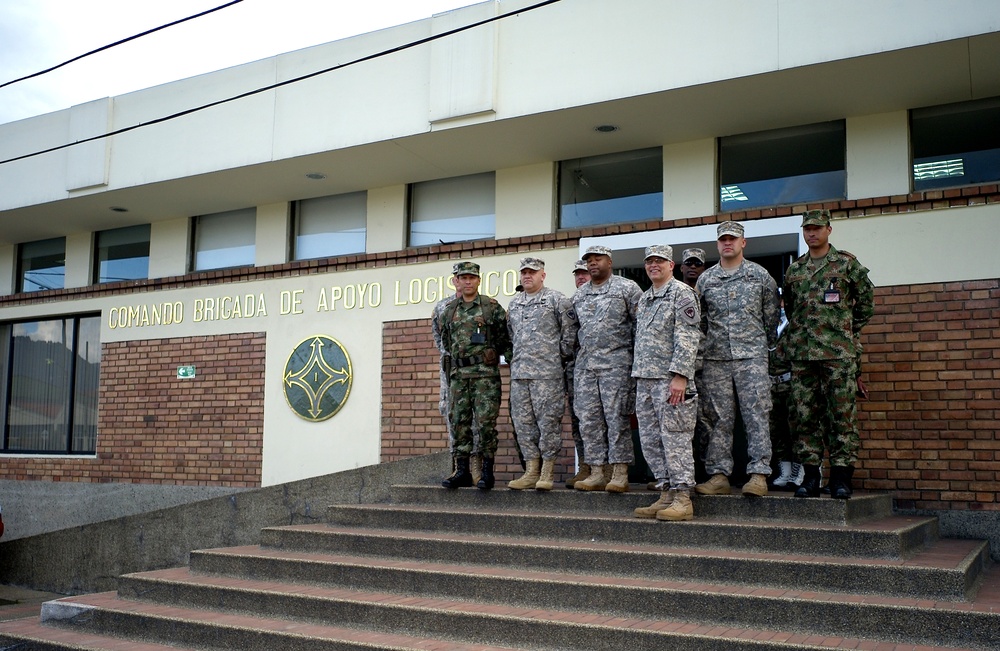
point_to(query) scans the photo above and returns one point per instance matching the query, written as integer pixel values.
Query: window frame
(198, 230)
(806, 167)
(452, 204)
(71, 404)
(606, 161)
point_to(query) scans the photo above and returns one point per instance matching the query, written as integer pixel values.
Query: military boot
(679, 509)
(717, 484)
(461, 477)
(840, 482)
(810, 485)
(756, 487)
(619, 479)
(595, 482)
(546, 476)
(487, 480)
(475, 467)
(528, 479)
(666, 499)
(580, 475)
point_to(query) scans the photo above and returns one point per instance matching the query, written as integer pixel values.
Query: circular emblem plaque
(317, 378)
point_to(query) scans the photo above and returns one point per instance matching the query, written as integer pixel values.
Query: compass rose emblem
(317, 378)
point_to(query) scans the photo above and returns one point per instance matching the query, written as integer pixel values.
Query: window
(50, 380)
(622, 187)
(330, 226)
(42, 265)
(225, 239)
(453, 210)
(783, 166)
(955, 144)
(123, 254)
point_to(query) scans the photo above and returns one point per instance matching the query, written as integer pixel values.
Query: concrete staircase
(468, 570)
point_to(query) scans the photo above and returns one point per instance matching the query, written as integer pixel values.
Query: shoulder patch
(689, 313)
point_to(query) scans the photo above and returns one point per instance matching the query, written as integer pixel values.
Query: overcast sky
(38, 34)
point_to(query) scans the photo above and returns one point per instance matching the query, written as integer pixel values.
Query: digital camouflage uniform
(666, 344)
(739, 314)
(603, 389)
(474, 381)
(443, 395)
(828, 302)
(542, 330)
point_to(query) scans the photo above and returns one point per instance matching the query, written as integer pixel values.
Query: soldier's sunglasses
(693, 262)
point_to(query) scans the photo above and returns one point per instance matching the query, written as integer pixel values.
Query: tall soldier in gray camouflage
(474, 334)
(739, 314)
(475, 460)
(542, 327)
(581, 275)
(828, 299)
(603, 389)
(667, 335)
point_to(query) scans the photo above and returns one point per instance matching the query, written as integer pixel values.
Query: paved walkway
(17, 603)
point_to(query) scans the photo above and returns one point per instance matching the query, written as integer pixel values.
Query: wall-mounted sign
(185, 372)
(317, 378)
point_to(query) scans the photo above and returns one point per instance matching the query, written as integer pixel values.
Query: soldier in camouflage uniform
(667, 335)
(581, 275)
(829, 299)
(542, 327)
(475, 460)
(692, 267)
(474, 335)
(603, 389)
(739, 313)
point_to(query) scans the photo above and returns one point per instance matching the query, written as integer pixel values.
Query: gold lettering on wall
(358, 296)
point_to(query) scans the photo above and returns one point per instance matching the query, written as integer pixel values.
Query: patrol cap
(597, 249)
(696, 253)
(580, 265)
(531, 263)
(816, 218)
(462, 268)
(730, 228)
(664, 251)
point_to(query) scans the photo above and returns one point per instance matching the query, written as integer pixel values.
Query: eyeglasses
(693, 262)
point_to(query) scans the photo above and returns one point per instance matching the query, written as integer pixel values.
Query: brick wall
(156, 429)
(931, 429)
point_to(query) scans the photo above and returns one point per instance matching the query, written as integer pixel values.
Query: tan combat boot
(716, 485)
(580, 475)
(476, 468)
(666, 499)
(530, 476)
(595, 482)
(545, 477)
(619, 479)
(756, 487)
(680, 509)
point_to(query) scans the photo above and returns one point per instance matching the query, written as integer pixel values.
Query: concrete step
(894, 537)
(107, 615)
(719, 603)
(775, 507)
(949, 569)
(310, 615)
(30, 634)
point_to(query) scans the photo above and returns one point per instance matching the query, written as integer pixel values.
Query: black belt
(461, 362)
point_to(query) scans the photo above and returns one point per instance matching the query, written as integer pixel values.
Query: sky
(39, 34)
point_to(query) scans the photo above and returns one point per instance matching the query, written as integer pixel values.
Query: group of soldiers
(682, 356)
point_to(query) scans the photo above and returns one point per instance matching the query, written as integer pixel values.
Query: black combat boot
(461, 478)
(810, 485)
(486, 483)
(840, 482)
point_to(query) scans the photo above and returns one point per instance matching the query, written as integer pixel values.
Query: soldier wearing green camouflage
(474, 334)
(828, 299)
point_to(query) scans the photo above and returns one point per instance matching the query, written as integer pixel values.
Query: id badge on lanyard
(831, 295)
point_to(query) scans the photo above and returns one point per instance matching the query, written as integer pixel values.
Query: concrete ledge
(975, 525)
(90, 558)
